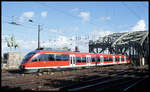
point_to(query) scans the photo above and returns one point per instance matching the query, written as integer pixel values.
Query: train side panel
(48, 59)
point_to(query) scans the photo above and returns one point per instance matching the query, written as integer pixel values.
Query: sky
(62, 22)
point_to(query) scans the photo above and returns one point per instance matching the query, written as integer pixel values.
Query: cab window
(41, 57)
(27, 57)
(35, 59)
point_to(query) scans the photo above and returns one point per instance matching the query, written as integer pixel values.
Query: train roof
(50, 49)
(65, 51)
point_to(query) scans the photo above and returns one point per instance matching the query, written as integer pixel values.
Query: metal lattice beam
(121, 43)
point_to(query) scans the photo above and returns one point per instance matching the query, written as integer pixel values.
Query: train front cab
(25, 60)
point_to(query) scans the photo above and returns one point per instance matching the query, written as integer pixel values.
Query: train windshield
(27, 57)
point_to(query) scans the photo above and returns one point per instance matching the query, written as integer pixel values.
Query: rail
(122, 81)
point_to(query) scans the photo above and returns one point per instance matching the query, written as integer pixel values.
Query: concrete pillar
(139, 57)
(143, 61)
(140, 61)
(14, 59)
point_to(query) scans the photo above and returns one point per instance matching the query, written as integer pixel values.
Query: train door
(113, 59)
(125, 59)
(72, 60)
(101, 59)
(120, 59)
(88, 60)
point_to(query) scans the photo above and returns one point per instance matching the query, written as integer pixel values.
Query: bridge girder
(121, 43)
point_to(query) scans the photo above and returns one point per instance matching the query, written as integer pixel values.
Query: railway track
(106, 73)
(122, 81)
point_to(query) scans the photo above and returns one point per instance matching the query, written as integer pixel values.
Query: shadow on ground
(16, 71)
(7, 88)
(142, 86)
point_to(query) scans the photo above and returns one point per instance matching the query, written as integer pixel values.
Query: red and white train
(44, 59)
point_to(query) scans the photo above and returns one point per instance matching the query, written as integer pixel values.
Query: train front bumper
(21, 67)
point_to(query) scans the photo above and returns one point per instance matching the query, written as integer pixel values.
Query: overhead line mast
(38, 36)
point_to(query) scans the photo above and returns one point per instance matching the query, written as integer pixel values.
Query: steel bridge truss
(128, 43)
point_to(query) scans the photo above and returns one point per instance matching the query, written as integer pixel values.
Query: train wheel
(49, 70)
(32, 71)
(38, 70)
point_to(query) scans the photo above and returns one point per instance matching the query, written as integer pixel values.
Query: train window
(110, 59)
(27, 57)
(83, 59)
(35, 59)
(98, 59)
(106, 58)
(122, 59)
(93, 59)
(78, 59)
(65, 57)
(40, 58)
(46, 57)
(58, 57)
(51, 57)
(127, 57)
(88, 59)
(43, 57)
(117, 58)
(101, 59)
